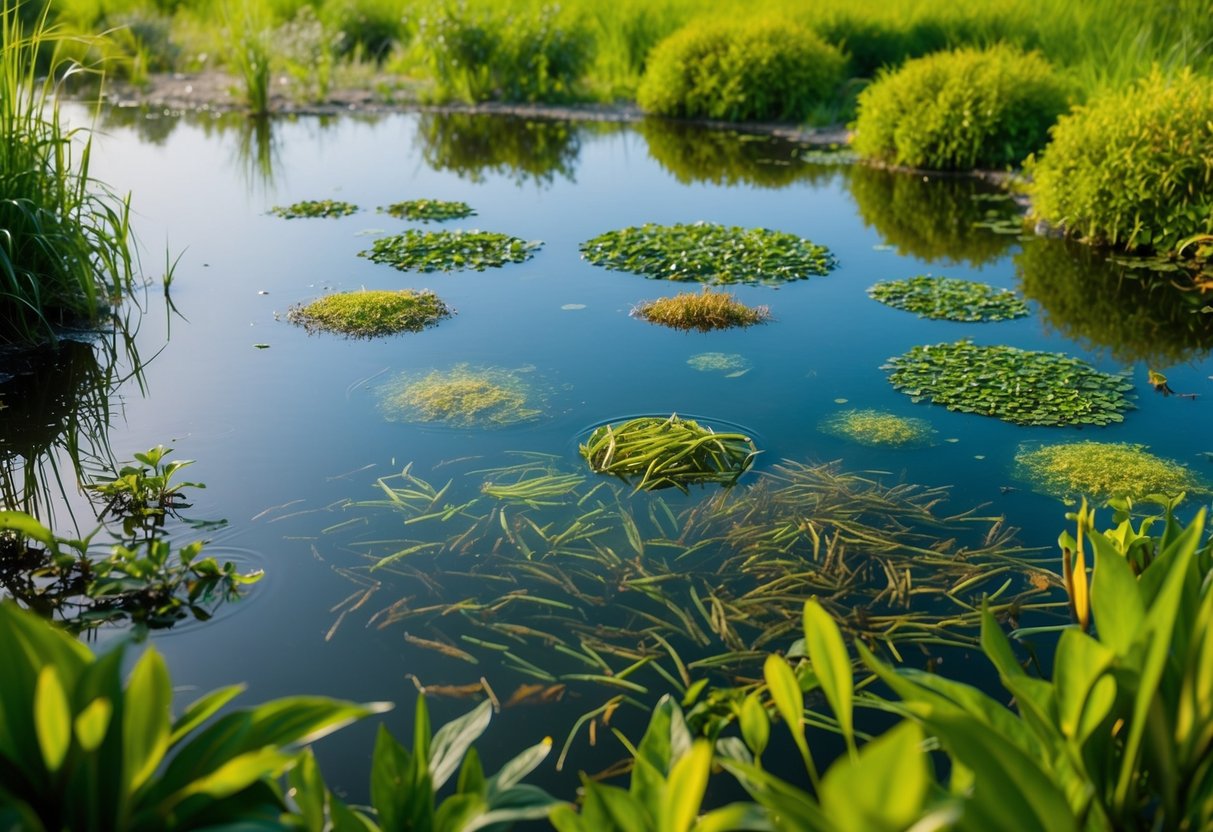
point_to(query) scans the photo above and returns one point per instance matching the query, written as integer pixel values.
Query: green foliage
(1103, 470)
(660, 453)
(877, 428)
(143, 494)
(249, 42)
(315, 208)
(429, 210)
(428, 251)
(370, 314)
(703, 311)
(463, 396)
(1133, 168)
(766, 69)
(960, 110)
(1020, 386)
(949, 299)
(367, 28)
(709, 253)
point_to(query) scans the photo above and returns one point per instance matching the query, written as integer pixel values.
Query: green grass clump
(1134, 169)
(315, 208)
(1103, 470)
(369, 314)
(959, 110)
(663, 453)
(877, 428)
(429, 210)
(430, 251)
(1020, 386)
(703, 311)
(769, 69)
(462, 397)
(949, 299)
(709, 253)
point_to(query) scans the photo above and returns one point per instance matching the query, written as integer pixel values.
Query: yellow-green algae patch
(370, 313)
(702, 311)
(878, 428)
(463, 396)
(730, 363)
(1103, 470)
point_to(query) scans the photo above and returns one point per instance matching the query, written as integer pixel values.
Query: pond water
(292, 435)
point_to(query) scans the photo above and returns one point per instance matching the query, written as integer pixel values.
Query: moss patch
(429, 210)
(948, 299)
(1102, 470)
(464, 396)
(314, 208)
(877, 428)
(431, 251)
(369, 314)
(702, 311)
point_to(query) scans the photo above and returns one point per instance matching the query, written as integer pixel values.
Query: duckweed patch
(314, 209)
(709, 253)
(949, 299)
(658, 453)
(370, 313)
(464, 396)
(1020, 386)
(431, 251)
(1103, 470)
(429, 210)
(702, 311)
(878, 428)
(729, 363)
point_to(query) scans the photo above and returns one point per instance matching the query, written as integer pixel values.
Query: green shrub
(960, 110)
(1133, 169)
(767, 69)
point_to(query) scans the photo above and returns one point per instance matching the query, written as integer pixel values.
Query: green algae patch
(730, 363)
(654, 452)
(446, 251)
(429, 210)
(878, 428)
(1024, 387)
(948, 299)
(1104, 470)
(709, 253)
(370, 313)
(463, 396)
(702, 311)
(314, 209)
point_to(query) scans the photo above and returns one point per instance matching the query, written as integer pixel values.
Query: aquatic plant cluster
(1104, 470)
(430, 251)
(663, 453)
(949, 299)
(703, 311)
(877, 428)
(462, 397)
(315, 209)
(370, 313)
(429, 210)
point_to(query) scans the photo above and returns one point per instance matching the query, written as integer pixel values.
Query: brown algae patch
(1104, 470)
(703, 311)
(463, 396)
(878, 428)
(370, 313)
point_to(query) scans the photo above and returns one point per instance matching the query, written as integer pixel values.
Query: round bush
(960, 110)
(760, 70)
(1133, 169)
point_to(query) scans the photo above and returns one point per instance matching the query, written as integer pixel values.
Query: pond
(325, 461)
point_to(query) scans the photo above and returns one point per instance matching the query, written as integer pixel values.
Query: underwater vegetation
(430, 251)
(702, 311)
(1025, 387)
(729, 363)
(463, 396)
(878, 428)
(315, 208)
(429, 210)
(1103, 470)
(662, 453)
(708, 252)
(370, 313)
(949, 299)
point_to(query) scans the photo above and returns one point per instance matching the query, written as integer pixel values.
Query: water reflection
(933, 218)
(522, 149)
(1132, 315)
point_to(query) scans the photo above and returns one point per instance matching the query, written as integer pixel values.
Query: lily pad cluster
(949, 299)
(878, 428)
(1103, 470)
(709, 253)
(315, 208)
(429, 210)
(369, 314)
(1021, 386)
(430, 251)
(462, 397)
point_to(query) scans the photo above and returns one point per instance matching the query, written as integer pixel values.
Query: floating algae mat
(315, 208)
(949, 299)
(709, 253)
(370, 313)
(429, 210)
(1020, 386)
(1103, 470)
(464, 396)
(877, 428)
(730, 363)
(432, 251)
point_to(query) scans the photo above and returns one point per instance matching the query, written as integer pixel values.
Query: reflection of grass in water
(1102, 470)
(877, 428)
(464, 396)
(525, 150)
(730, 363)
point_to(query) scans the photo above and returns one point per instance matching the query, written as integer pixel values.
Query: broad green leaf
(1115, 598)
(1079, 663)
(755, 724)
(1194, 711)
(616, 807)
(1099, 705)
(346, 819)
(684, 792)
(389, 785)
(454, 739)
(309, 791)
(789, 701)
(92, 723)
(566, 819)
(27, 526)
(832, 665)
(794, 808)
(238, 773)
(471, 774)
(52, 719)
(458, 812)
(145, 720)
(885, 789)
(735, 816)
(512, 772)
(202, 710)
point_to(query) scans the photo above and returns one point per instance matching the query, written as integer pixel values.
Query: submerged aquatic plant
(1021, 386)
(370, 313)
(709, 253)
(949, 299)
(878, 428)
(703, 311)
(429, 210)
(729, 363)
(1103, 470)
(430, 251)
(660, 453)
(315, 208)
(464, 396)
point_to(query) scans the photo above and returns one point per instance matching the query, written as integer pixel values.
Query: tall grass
(66, 252)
